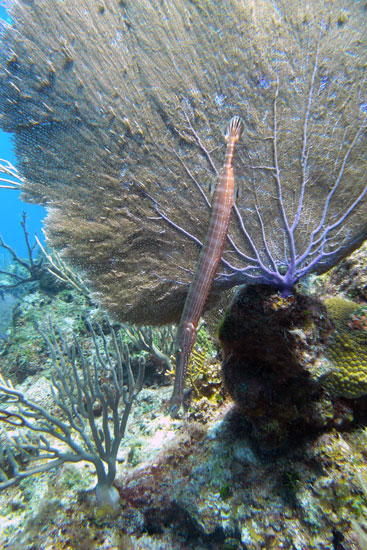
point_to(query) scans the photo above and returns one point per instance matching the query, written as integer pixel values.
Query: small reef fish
(209, 259)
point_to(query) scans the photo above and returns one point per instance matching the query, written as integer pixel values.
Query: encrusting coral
(118, 114)
(347, 347)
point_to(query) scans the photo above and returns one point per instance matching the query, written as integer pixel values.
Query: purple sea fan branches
(323, 236)
(284, 230)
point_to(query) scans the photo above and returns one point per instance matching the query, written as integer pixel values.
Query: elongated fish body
(209, 259)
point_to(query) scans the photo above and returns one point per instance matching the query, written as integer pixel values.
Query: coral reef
(205, 490)
(220, 493)
(26, 273)
(7, 303)
(272, 362)
(347, 347)
(300, 483)
(82, 389)
(348, 278)
(24, 352)
(286, 361)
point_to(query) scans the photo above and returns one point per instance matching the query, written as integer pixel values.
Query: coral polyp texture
(347, 347)
(118, 109)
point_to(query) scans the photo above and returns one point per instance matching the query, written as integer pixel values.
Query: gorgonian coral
(118, 113)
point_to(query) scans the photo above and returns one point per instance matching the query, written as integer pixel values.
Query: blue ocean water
(11, 207)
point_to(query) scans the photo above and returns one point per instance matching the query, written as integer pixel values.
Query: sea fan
(118, 111)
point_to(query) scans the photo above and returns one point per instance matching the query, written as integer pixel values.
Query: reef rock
(288, 361)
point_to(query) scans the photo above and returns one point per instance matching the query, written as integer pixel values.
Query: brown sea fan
(118, 111)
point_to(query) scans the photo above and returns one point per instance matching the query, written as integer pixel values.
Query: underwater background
(119, 113)
(10, 206)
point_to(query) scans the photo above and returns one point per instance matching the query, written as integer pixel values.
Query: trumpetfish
(207, 265)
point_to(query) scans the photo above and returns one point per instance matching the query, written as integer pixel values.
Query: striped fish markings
(207, 265)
